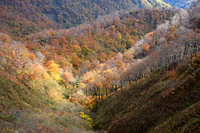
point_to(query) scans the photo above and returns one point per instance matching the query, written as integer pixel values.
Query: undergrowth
(157, 103)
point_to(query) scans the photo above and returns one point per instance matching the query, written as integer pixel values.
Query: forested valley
(107, 66)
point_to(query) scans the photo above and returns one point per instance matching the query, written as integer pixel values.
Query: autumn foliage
(129, 53)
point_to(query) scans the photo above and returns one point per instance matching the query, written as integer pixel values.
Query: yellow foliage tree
(53, 69)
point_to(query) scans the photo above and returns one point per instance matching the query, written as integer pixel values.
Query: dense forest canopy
(25, 17)
(102, 39)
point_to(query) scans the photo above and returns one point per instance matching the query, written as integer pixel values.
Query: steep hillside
(137, 70)
(32, 96)
(173, 42)
(26, 110)
(153, 105)
(20, 17)
(158, 90)
(180, 3)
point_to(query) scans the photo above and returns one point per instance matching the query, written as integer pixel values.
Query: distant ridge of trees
(26, 17)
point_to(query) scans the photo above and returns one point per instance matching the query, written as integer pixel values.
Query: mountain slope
(156, 107)
(25, 17)
(159, 90)
(100, 40)
(179, 3)
(32, 96)
(133, 85)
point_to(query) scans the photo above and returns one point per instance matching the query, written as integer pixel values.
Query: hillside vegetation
(19, 18)
(97, 42)
(134, 70)
(33, 98)
(153, 105)
(167, 99)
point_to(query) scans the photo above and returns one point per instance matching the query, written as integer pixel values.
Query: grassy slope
(25, 110)
(12, 96)
(153, 105)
